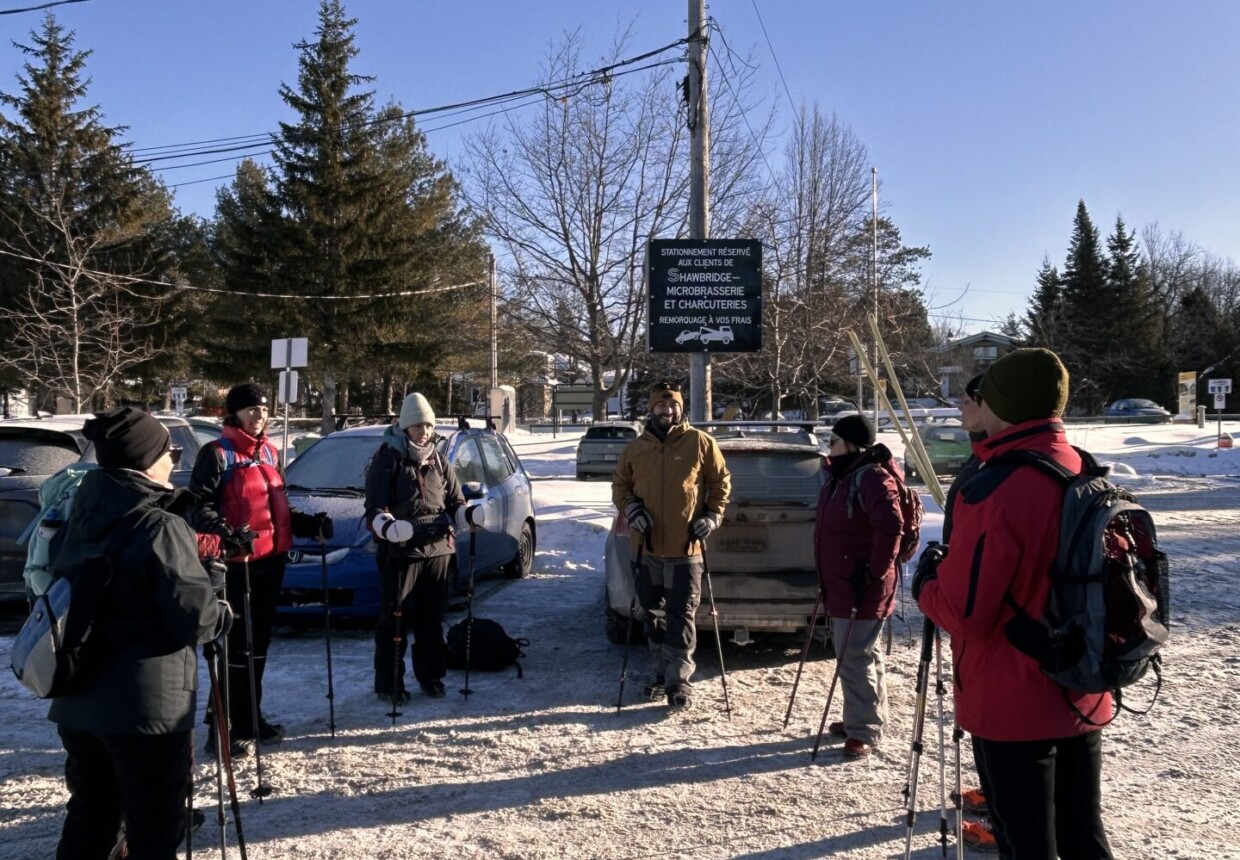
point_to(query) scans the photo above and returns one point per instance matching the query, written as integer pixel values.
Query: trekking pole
(469, 602)
(260, 789)
(941, 690)
(919, 723)
(809, 637)
(397, 632)
(628, 630)
(189, 805)
(839, 655)
(223, 759)
(327, 636)
(957, 734)
(714, 616)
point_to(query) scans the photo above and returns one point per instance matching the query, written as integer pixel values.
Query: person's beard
(666, 421)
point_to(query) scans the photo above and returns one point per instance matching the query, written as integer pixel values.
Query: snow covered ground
(545, 767)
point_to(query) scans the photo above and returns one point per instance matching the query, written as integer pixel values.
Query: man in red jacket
(1038, 760)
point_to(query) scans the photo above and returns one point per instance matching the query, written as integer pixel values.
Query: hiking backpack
(1107, 614)
(491, 649)
(55, 503)
(911, 510)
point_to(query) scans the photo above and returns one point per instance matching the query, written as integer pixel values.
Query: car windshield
(36, 454)
(334, 463)
(1141, 404)
(762, 478)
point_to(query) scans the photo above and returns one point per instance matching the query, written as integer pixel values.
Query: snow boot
(972, 802)
(269, 733)
(979, 835)
(399, 697)
(434, 689)
(680, 697)
(655, 690)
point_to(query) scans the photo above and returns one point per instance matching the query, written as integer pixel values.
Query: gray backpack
(1107, 615)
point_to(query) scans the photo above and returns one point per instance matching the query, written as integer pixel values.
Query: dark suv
(34, 449)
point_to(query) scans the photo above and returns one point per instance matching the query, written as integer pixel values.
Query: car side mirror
(473, 490)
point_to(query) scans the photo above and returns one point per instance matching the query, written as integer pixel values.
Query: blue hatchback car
(330, 476)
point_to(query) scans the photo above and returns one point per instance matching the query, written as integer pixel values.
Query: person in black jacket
(126, 726)
(412, 497)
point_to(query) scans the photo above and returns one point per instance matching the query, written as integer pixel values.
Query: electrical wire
(774, 57)
(42, 6)
(194, 288)
(744, 115)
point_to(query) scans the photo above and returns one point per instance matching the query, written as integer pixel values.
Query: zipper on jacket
(975, 573)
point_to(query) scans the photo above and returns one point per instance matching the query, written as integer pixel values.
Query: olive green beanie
(1024, 385)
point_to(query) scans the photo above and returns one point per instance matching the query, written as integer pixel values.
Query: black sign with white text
(705, 295)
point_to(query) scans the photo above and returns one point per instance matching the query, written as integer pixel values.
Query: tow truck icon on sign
(723, 334)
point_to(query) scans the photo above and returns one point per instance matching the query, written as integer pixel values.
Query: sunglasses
(175, 453)
(666, 385)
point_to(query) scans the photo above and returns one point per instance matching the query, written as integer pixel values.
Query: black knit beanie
(244, 396)
(856, 430)
(1025, 385)
(127, 438)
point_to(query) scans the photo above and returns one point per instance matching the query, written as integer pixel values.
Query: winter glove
(928, 566)
(388, 528)
(216, 572)
(223, 625)
(311, 525)
(705, 524)
(475, 516)
(860, 581)
(638, 517)
(239, 541)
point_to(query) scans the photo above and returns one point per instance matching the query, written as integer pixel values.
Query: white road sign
(1219, 386)
(289, 352)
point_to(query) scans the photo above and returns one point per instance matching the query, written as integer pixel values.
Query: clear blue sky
(987, 121)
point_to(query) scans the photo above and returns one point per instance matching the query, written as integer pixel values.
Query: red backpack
(911, 510)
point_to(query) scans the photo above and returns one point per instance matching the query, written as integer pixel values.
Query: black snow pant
(1045, 796)
(266, 576)
(420, 587)
(142, 778)
(669, 591)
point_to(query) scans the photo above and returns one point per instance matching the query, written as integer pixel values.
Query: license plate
(741, 539)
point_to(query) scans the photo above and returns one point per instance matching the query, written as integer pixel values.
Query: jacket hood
(394, 437)
(106, 496)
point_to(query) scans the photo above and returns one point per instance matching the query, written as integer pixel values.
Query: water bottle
(50, 524)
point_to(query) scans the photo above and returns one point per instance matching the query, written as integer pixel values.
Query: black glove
(860, 581)
(222, 626)
(928, 566)
(216, 572)
(638, 517)
(239, 541)
(309, 525)
(324, 528)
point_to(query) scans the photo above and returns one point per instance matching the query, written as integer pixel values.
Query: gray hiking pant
(669, 591)
(862, 677)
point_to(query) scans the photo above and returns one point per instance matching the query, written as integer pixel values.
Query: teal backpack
(55, 503)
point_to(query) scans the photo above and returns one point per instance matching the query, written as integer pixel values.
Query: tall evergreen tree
(79, 223)
(353, 206)
(1089, 313)
(1138, 357)
(1044, 320)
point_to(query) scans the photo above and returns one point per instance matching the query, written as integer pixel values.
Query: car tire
(618, 627)
(522, 563)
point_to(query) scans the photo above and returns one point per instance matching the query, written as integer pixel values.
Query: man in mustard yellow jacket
(672, 484)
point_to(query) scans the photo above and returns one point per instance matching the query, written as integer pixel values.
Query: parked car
(34, 449)
(1137, 411)
(330, 476)
(948, 446)
(600, 447)
(762, 556)
(206, 429)
(829, 407)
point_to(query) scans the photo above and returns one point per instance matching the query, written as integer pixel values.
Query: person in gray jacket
(126, 725)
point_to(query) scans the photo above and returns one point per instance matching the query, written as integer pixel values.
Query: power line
(37, 8)
(778, 68)
(194, 288)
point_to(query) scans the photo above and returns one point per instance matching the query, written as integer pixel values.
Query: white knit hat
(416, 410)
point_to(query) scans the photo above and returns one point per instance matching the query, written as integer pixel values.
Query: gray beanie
(416, 410)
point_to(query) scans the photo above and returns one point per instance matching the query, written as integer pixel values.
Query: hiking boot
(854, 748)
(972, 802)
(434, 689)
(399, 697)
(269, 733)
(979, 835)
(237, 747)
(655, 690)
(836, 730)
(680, 697)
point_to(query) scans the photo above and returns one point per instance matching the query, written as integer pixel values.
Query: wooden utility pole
(699, 189)
(494, 285)
(874, 272)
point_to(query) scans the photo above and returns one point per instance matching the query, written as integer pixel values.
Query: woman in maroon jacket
(1038, 760)
(856, 538)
